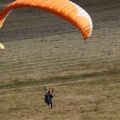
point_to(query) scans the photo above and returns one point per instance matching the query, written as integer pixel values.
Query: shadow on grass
(57, 79)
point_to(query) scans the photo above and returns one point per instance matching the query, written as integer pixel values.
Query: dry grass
(85, 75)
(93, 95)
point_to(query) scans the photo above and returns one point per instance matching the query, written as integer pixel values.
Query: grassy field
(52, 53)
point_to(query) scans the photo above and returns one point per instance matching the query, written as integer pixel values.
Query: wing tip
(1, 24)
(1, 21)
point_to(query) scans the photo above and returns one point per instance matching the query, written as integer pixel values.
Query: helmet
(49, 91)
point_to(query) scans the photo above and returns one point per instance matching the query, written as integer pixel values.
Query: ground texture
(45, 50)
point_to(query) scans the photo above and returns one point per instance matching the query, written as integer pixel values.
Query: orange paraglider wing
(62, 8)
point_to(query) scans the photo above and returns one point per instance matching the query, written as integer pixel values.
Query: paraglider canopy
(2, 47)
(63, 8)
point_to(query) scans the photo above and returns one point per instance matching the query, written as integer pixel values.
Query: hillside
(45, 50)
